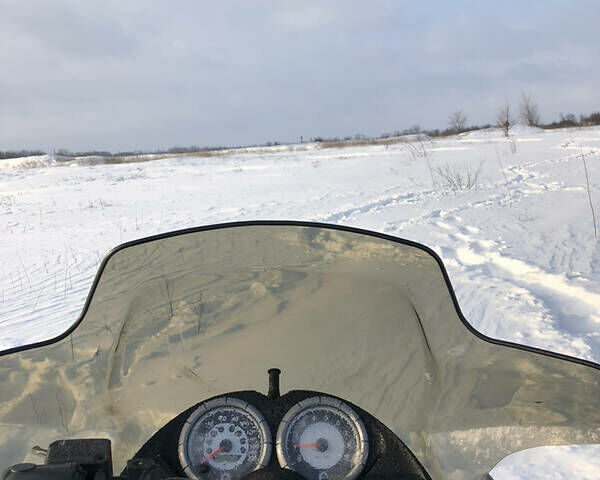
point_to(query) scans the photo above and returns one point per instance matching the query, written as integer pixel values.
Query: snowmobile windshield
(177, 319)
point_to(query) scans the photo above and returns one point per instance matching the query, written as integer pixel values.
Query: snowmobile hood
(177, 318)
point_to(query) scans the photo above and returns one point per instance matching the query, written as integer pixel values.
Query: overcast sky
(135, 74)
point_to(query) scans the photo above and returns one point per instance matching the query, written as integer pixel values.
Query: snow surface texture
(519, 246)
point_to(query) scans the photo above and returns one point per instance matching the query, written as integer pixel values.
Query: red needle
(306, 445)
(213, 455)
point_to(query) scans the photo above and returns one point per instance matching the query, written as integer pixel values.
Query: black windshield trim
(289, 223)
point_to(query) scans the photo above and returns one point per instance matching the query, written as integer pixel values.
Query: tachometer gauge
(322, 438)
(224, 439)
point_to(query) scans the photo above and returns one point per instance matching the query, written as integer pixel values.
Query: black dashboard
(387, 456)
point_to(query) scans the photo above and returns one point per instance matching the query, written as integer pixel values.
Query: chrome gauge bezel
(267, 444)
(328, 402)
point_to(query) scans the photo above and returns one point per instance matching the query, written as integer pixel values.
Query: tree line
(528, 113)
(19, 153)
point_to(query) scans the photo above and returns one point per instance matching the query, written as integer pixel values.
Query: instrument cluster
(320, 438)
(300, 435)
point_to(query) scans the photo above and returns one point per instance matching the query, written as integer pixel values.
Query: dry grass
(455, 178)
(587, 180)
(116, 160)
(415, 143)
(369, 141)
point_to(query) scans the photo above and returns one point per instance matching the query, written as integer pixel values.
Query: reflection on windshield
(178, 320)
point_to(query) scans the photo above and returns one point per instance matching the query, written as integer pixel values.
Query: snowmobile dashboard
(302, 435)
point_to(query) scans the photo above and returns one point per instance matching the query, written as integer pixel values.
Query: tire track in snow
(378, 204)
(572, 306)
(581, 301)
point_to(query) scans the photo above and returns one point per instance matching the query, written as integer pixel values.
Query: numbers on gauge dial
(322, 439)
(224, 439)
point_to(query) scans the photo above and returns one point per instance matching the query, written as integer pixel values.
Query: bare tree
(529, 111)
(504, 119)
(457, 121)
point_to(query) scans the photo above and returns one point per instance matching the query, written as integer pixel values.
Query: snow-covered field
(519, 247)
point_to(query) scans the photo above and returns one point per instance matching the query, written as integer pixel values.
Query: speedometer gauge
(224, 439)
(322, 438)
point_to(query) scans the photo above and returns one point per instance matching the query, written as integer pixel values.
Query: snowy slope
(519, 247)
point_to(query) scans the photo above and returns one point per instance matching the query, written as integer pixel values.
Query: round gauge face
(224, 439)
(322, 438)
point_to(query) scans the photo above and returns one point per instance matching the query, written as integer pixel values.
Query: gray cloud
(125, 75)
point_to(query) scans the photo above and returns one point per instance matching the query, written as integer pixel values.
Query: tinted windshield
(182, 318)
